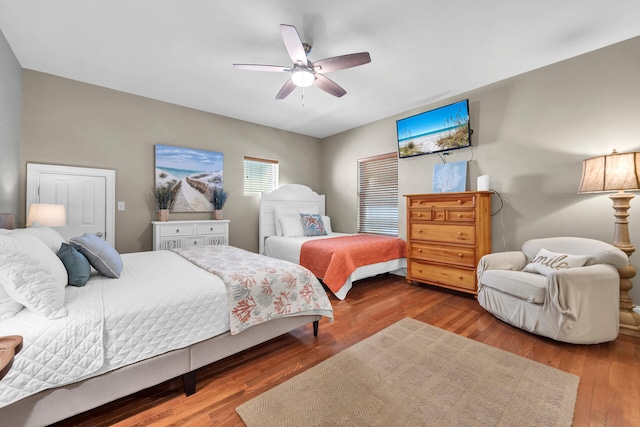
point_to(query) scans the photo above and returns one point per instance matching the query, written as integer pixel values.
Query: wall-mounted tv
(442, 129)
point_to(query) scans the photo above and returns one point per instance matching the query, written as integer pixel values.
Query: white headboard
(287, 196)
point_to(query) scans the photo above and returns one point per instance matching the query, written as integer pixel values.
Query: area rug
(413, 374)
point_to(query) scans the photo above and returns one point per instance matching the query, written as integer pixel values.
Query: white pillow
(327, 224)
(291, 226)
(48, 235)
(546, 262)
(8, 306)
(278, 212)
(32, 275)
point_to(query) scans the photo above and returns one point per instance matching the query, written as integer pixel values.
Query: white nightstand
(185, 234)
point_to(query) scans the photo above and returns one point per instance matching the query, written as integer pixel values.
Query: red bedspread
(333, 260)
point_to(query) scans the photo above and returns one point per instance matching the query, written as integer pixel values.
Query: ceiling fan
(304, 72)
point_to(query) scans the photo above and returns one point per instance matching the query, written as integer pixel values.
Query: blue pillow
(313, 225)
(78, 268)
(100, 254)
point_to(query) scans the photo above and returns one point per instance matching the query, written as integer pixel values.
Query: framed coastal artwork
(449, 177)
(191, 173)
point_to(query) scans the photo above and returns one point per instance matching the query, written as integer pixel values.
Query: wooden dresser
(184, 234)
(447, 233)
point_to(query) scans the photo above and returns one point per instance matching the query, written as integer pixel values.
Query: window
(260, 175)
(378, 194)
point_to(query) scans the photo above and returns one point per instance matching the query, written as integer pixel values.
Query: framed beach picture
(191, 173)
(449, 177)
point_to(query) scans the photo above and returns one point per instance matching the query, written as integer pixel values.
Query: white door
(86, 193)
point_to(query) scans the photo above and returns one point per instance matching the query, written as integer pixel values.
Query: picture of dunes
(192, 175)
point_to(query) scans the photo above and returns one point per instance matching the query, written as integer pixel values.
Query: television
(441, 129)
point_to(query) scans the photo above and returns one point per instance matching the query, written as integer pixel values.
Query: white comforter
(161, 302)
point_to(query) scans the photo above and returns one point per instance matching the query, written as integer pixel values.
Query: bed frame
(287, 196)
(57, 404)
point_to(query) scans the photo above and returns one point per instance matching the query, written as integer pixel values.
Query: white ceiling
(182, 51)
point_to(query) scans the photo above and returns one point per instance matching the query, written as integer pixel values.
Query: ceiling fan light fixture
(302, 77)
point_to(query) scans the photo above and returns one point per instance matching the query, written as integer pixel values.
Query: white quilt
(160, 303)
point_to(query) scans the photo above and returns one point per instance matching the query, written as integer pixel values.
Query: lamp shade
(613, 172)
(47, 214)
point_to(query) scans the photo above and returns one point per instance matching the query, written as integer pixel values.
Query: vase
(163, 215)
(217, 214)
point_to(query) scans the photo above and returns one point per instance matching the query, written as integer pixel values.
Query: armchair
(569, 289)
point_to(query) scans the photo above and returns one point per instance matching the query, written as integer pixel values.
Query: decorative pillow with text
(546, 262)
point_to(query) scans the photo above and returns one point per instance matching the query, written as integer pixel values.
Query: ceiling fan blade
(328, 86)
(293, 44)
(258, 67)
(288, 87)
(341, 62)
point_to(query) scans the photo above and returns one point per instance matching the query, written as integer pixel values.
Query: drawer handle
(177, 230)
(459, 233)
(419, 215)
(419, 230)
(459, 255)
(459, 215)
(195, 243)
(420, 250)
(419, 202)
(460, 202)
(460, 277)
(420, 269)
(211, 229)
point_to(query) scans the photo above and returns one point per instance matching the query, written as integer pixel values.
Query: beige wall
(66, 122)
(10, 112)
(531, 133)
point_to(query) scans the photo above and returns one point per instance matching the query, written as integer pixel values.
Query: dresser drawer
(464, 256)
(176, 230)
(211, 228)
(442, 274)
(421, 214)
(444, 202)
(456, 215)
(455, 233)
(193, 241)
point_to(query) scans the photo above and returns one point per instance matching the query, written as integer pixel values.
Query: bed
(166, 315)
(338, 259)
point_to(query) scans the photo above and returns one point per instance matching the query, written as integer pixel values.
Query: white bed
(301, 199)
(163, 317)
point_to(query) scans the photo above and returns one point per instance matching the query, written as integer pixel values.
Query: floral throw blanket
(261, 288)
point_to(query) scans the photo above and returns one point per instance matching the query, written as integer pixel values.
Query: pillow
(32, 275)
(291, 226)
(279, 212)
(100, 254)
(312, 225)
(77, 265)
(327, 224)
(48, 235)
(546, 262)
(8, 306)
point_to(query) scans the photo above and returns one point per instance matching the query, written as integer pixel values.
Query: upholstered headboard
(8, 221)
(287, 196)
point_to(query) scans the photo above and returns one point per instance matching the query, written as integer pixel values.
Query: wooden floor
(608, 395)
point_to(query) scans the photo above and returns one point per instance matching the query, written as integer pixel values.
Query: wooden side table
(9, 347)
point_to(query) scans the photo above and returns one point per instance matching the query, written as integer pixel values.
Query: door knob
(99, 234)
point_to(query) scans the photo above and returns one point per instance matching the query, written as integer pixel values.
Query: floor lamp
(618, 172)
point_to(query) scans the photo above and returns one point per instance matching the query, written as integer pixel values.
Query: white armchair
(570, 294)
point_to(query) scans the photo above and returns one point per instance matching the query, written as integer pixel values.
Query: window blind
(260, 175)
(378, 194)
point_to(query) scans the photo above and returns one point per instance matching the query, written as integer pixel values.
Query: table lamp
(47, 214)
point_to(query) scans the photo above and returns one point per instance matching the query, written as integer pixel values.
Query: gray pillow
(77, 265)
(100, 254)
